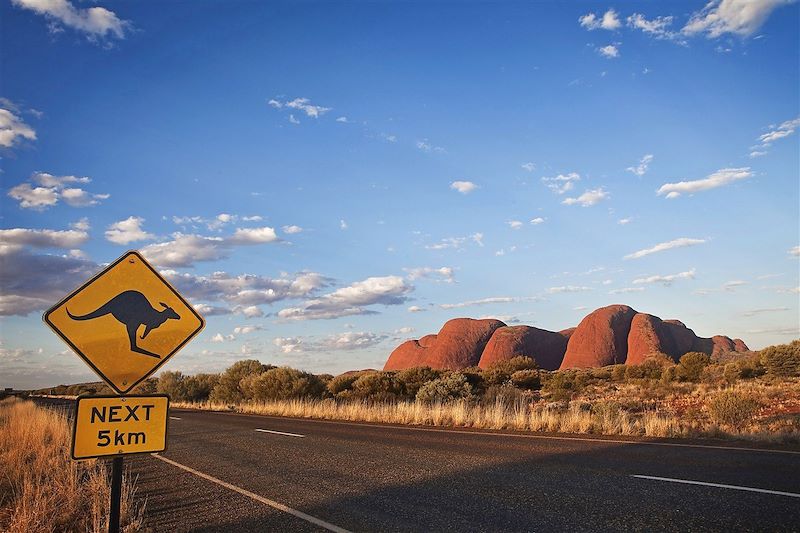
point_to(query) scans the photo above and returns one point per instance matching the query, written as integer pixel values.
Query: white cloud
(352, 300)
(247, 290)
(343, 120)
(782, 130)
(352, 340)
(427, 147)
(246, 329)
(292, 119)
(515, 224)
(250, 311)
(455, 242)
(305, 105)
(656, 27)
(96, 22)
(665, 280)
(13, 239)
(291, 230)
(211, 310)
(669, 245)
(186, 249)
(562, 183)
(46, 190)
(13, 129)
(624, 221)
(567, 288)
(730, 286)
(464, 187)
(536, 221)
(343, 224)
(794, 251)
(482, 301)
(445, 274)
(529, 167)
(719, 178)
(405, 330)
(588, 198)
(389, 138)
(415, 309)
(610, 51)
(288, 344)
(626, 290)
(740, 17)
(275, 103)
(641, 168)
(81, 225)
(253, 218)
(609, 21)
(127, 231)
(760, 311)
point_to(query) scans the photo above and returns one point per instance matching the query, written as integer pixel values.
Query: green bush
(172, 384)
(282, 383)
(500, 372)
(731, 373)
(526, 379)
(412, 379)
(377, 386)
(732, 408)
(618, 372)
(782, 360)
(227, 389)
(563, 384)
(691, 366)
(342, 383)
(198, 387)
(452, 386)
(506, 394)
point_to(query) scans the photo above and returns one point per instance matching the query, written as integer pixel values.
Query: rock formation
(609, 335)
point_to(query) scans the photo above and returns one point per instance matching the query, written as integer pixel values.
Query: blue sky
(325, 180)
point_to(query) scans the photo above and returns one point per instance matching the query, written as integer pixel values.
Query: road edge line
(254, 496)
(718, 485)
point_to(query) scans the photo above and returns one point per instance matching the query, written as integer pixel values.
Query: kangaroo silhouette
(132, 309)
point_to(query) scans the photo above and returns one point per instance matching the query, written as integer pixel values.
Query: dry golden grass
(685, 410)
(41, 488)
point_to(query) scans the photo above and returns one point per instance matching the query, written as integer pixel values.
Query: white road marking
(256, 497)
(518, 435)
(719, 485)
(280, 433)
(174, 418)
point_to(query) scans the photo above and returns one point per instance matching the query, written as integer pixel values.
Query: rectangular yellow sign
(119, 425)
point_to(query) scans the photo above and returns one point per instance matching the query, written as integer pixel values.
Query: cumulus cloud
(669, 245)
(16, 238)
(536, 221)
(127, 231)
(657, 27)
(794, 251)
(528, 167)
(445, 274)
(415, 309)
(609, 21)
(288, 344)
(464, 187)
(352, 300)
(562, 183)
(45, 190)
(720, 178)
(641, 168)
(95, 22)
(352, 340)
(589, 198)
(610, 51)
(739, 17)
(211, 310)
(13, 129)
(665, 280)
(624, 221)
(246, 290)
(183, 250)
(291, 230)
(515, 224)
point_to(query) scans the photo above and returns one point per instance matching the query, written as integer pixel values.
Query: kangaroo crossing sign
(125, 322)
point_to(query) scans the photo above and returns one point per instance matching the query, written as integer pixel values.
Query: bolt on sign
(125, 322)
(116, 425)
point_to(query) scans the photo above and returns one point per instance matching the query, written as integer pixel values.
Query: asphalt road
(220, 473)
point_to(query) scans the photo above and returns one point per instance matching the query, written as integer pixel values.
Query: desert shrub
(618, 372)
(227, 389)
(198, 387)
(733, 408)
(602, 374)
(453, 386)
(475, 379)
(691, 366)
(342, 383)
(148, 386)
(377, 386)
(411, 379)
(669, 374)
(526, 379)
(500, 372)
(731, 373)
(713, 375)
(172, 384)
(281, 384)
(563, 384)
(506, 394)
(782, 360)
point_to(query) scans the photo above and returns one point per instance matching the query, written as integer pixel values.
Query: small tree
(453, 386)
(172, 384)
(411, 379)
(199, 387)
(692, 364)
(282, 383)
(782, 360)
(526, 379)
(227, 389)
(500, 372)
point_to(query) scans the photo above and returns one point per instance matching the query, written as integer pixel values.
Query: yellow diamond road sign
(125, 322)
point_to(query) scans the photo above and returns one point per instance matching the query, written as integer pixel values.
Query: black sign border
(164, 359)
(92, 397)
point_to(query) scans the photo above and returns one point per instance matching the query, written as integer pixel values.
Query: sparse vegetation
(41, 488)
